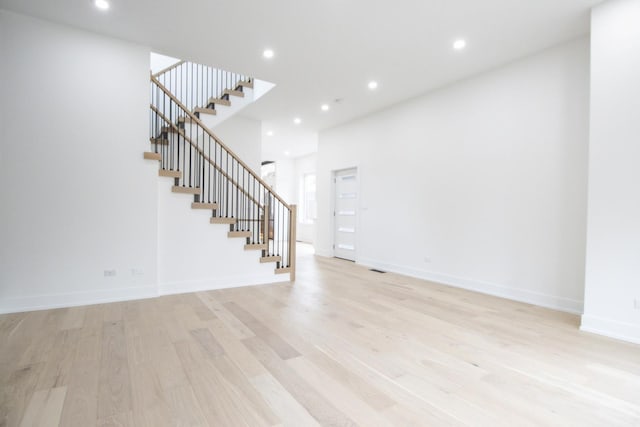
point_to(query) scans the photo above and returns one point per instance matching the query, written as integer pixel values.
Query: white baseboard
(46, 302)
(171, 288)
(611, 328)
(522, 295)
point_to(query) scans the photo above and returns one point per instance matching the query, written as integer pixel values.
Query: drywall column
(613, 228)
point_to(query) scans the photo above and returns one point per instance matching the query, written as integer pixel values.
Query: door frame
(334, 172)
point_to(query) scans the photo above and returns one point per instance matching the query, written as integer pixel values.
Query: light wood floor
(343, 346)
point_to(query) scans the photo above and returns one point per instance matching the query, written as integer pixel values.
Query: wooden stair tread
(255, 247)
(222, 220)
(169, 173)
(167, 129)
(245, 84)
(283, 270)
(152, 156)
(233, 93)
(274, 258)
(218, 101)
(159, 141)
(203, 110)
(239, 234)
(184, 119)
(209, 206)
(185, 190)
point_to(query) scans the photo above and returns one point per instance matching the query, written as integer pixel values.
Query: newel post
(292, 241)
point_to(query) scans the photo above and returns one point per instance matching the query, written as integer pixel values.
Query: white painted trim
(46, 302)
(610, 328)
(214, 283)
(523, 295)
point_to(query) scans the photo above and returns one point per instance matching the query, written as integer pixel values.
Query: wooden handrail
(204, 156)
(211, 134)
(169, 68)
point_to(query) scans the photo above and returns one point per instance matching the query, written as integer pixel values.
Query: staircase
(203, 167)
(213, 95)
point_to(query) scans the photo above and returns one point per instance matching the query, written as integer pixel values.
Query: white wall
(613, 234)
(158, 62)
(195, 255)
(244, 137)
(303, 166)
(77, 197)
(481, 184)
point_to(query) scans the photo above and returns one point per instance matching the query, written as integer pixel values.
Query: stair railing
(216, 176)
(197, 85)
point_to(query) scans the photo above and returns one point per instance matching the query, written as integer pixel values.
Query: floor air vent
(375, 270)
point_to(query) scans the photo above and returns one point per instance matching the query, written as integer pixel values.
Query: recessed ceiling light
(101, 4)
(459, 44)
(268, 53)
(325, 107)
(373, 85)
(297, 120)
(269, 133)
(286, 153)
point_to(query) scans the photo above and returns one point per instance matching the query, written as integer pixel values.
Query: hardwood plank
(114, 388)
(314, 402)
(17, 392)
(341, 346)
(152, 156)
(220, 401)
(273, 340)
(235, 376)
(185, 190)
(44, 408)
(118, 420)
(169, 173)
(209, 344)
(81, 402)
(339, 396)
(58, 367)
(282, 402)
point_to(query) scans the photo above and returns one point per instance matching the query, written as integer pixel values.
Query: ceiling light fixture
(286, 153)
(268, 53)
(373, 85)
(459, 44)
(101, 4)
(325, 107)
(269, 133)
(297, 120)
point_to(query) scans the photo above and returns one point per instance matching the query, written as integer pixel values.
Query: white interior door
(346, 203)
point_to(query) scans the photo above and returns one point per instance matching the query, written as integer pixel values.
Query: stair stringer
(194, 255)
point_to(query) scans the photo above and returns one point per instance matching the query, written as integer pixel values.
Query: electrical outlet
(109, 273)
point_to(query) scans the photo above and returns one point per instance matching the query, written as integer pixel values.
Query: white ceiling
(329, 49)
